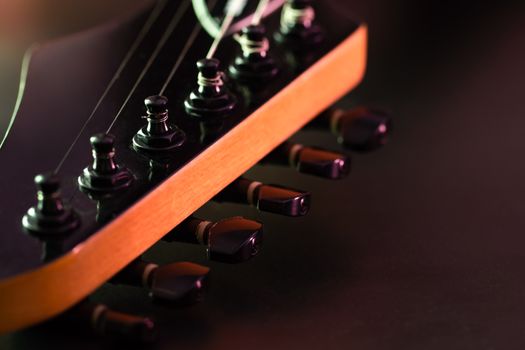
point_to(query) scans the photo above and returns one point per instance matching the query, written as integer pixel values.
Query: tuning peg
(211, 99)
(309, 160)
(180, 282)
(104, 175)
(254, 64)
(298, 27)
(50, 218)
(270, 198)
(230, 240)
(158, 135)
(361, 129)
(106, 322)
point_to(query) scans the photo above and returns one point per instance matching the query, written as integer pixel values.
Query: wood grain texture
(43, 293)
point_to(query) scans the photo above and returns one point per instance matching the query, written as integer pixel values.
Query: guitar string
(273, 5)
(256, 19)
(232, 12)
(173, 23)
(24, 70)
(259, 12)
(196, 30)
(169, 30)
(184, 51)
(152, 18)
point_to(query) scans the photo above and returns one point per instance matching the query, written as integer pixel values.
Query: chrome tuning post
(231, 240)
(309, 160)
(269, 198)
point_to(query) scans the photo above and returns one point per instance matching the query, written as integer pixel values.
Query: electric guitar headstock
(128, 129)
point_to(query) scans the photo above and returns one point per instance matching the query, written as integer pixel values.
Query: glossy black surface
(64, 83)
(180, 282)
(230, 240)
(269, 198)
(310, 160)
(421, 247)
(235, 240)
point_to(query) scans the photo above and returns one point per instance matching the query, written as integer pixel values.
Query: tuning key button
(180, 282)
(109, 323)
(50, 218)
(158, 134)
(231, 240)
(104, 175)
(361, 129)
(309, 160)
(298, 26)
(269, 198)
(211, 99)
(254, 64)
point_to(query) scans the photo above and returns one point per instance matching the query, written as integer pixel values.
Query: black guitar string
(186, 48)
(169, 30)
(138, 40)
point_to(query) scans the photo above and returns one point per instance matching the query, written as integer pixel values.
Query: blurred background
(420, 248)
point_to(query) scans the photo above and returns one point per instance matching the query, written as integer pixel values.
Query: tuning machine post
(51, 221)
(159, 135)
(270, 198)
(50, 218)
(211, 99)
(254, 64)
(298, 28)
(104, 176)
(231, 240)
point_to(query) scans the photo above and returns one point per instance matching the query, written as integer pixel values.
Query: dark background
(421, 247)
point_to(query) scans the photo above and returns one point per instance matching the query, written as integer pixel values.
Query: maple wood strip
(42, 293)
